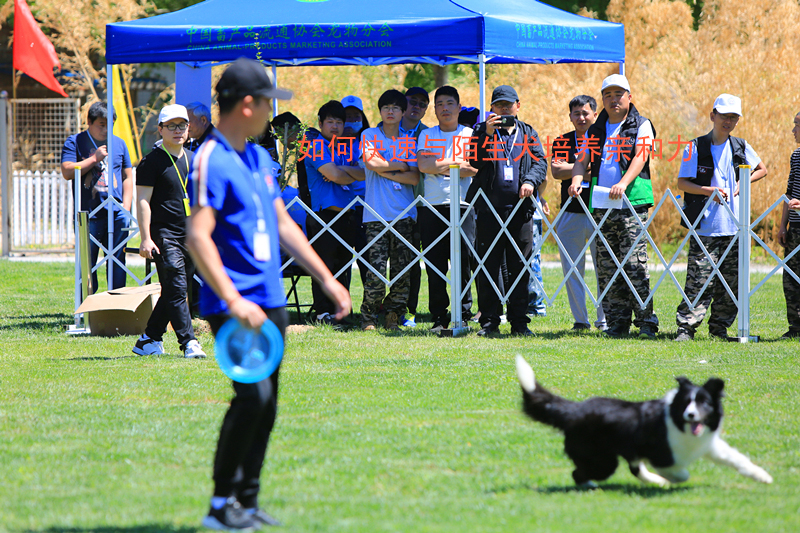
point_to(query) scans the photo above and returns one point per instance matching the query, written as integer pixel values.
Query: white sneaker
(147, 346)
(193, 350)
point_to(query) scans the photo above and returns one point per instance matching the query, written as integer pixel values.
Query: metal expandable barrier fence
(740, 295)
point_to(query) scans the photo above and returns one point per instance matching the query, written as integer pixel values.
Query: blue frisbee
(246, 355)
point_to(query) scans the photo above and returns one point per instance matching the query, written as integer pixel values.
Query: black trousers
(416, 271)
(333, 253)
(439, 255)
(521, 231)
(246, 428)
(175, 268)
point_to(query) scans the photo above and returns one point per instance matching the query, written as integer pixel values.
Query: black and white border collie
(667, 434)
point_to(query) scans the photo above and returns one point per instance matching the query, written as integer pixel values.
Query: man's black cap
(504, 93)
(283, 119)
(247, 77)
(468, 116)
(417, 90)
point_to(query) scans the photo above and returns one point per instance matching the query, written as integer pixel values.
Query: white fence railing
(42, 224)
(43, 210)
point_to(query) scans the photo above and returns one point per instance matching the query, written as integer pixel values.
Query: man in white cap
(163, 208)
(711, 164)
(626, 139)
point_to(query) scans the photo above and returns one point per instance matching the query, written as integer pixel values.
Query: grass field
(377, 432)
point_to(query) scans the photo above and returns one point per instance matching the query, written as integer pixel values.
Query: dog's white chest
(687, 448)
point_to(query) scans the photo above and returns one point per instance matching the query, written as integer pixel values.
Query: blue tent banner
(346, 32)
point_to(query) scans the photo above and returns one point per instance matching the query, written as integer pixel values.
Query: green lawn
(377, 432)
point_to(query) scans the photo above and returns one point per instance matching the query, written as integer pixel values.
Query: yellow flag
(122, 126)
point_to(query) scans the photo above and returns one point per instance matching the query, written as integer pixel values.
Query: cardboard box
(122, 311)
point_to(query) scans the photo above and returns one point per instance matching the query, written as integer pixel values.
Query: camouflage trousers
(619, 304)
(399, 255)
(698, 270)
(791, 289)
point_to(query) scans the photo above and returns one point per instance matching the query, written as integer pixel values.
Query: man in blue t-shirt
(330, 177)
(237, 222)
(710, 164)
(88, 151)
(391, 174)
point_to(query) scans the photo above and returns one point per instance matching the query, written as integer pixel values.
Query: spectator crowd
(401, 170)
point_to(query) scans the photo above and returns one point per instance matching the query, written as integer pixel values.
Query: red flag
(34, 54)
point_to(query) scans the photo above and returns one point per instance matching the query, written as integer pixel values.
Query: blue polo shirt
(241, 188)
(387, 197)
(79, 147)
(325, 194)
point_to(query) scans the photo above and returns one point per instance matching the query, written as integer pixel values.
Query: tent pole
(482, 81)
(110, 266)
(622, 68)
(275, 100)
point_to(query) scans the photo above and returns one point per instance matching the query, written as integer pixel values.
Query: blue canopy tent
(361, 32)
(365, 32)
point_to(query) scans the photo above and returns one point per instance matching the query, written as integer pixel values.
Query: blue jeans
(536, 305)
(98, 227)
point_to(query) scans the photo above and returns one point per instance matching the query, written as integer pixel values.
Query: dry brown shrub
(749, 49)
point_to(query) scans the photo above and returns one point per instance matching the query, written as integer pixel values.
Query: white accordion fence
(742, 243)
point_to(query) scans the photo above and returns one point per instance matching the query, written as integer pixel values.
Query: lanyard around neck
(175, 166)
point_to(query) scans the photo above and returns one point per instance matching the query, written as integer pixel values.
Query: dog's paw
(589, 485)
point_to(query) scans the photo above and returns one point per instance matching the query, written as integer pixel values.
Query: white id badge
(508, 173)
(261, 246)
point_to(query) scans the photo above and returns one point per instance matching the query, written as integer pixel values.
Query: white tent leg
(482, 82)
(275, 100)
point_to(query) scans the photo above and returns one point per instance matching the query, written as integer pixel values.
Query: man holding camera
(511, 165)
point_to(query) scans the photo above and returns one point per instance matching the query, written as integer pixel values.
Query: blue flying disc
(246, 355)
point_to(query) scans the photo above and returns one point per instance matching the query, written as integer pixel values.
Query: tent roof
(363, 32)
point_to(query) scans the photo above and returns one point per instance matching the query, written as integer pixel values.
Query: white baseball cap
(616, 80)
(352, 101)
(168, 112)
(727, 103)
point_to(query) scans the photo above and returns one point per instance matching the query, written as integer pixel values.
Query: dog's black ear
(683, 381)
(714, 386)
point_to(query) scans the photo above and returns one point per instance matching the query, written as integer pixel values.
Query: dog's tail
(539, 403)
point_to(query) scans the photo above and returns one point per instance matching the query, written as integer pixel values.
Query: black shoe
(791, 335)
(521, 332)
(684, 335)
(580, 326)
(439, 324)
(261, 518)
(617, 332)
(647, 332)
(488, 331)
(719, 334)
(231, 517)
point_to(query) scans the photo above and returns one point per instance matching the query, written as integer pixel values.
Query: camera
(506, 121)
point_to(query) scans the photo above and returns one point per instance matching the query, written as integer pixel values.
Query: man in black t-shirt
(163, 209)
(574, 227)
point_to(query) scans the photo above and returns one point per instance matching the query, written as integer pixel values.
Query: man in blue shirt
(391, 174)
(88, 151)
(237, 222)
(330, 176)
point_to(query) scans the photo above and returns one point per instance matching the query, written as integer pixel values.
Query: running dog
(668, 434)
